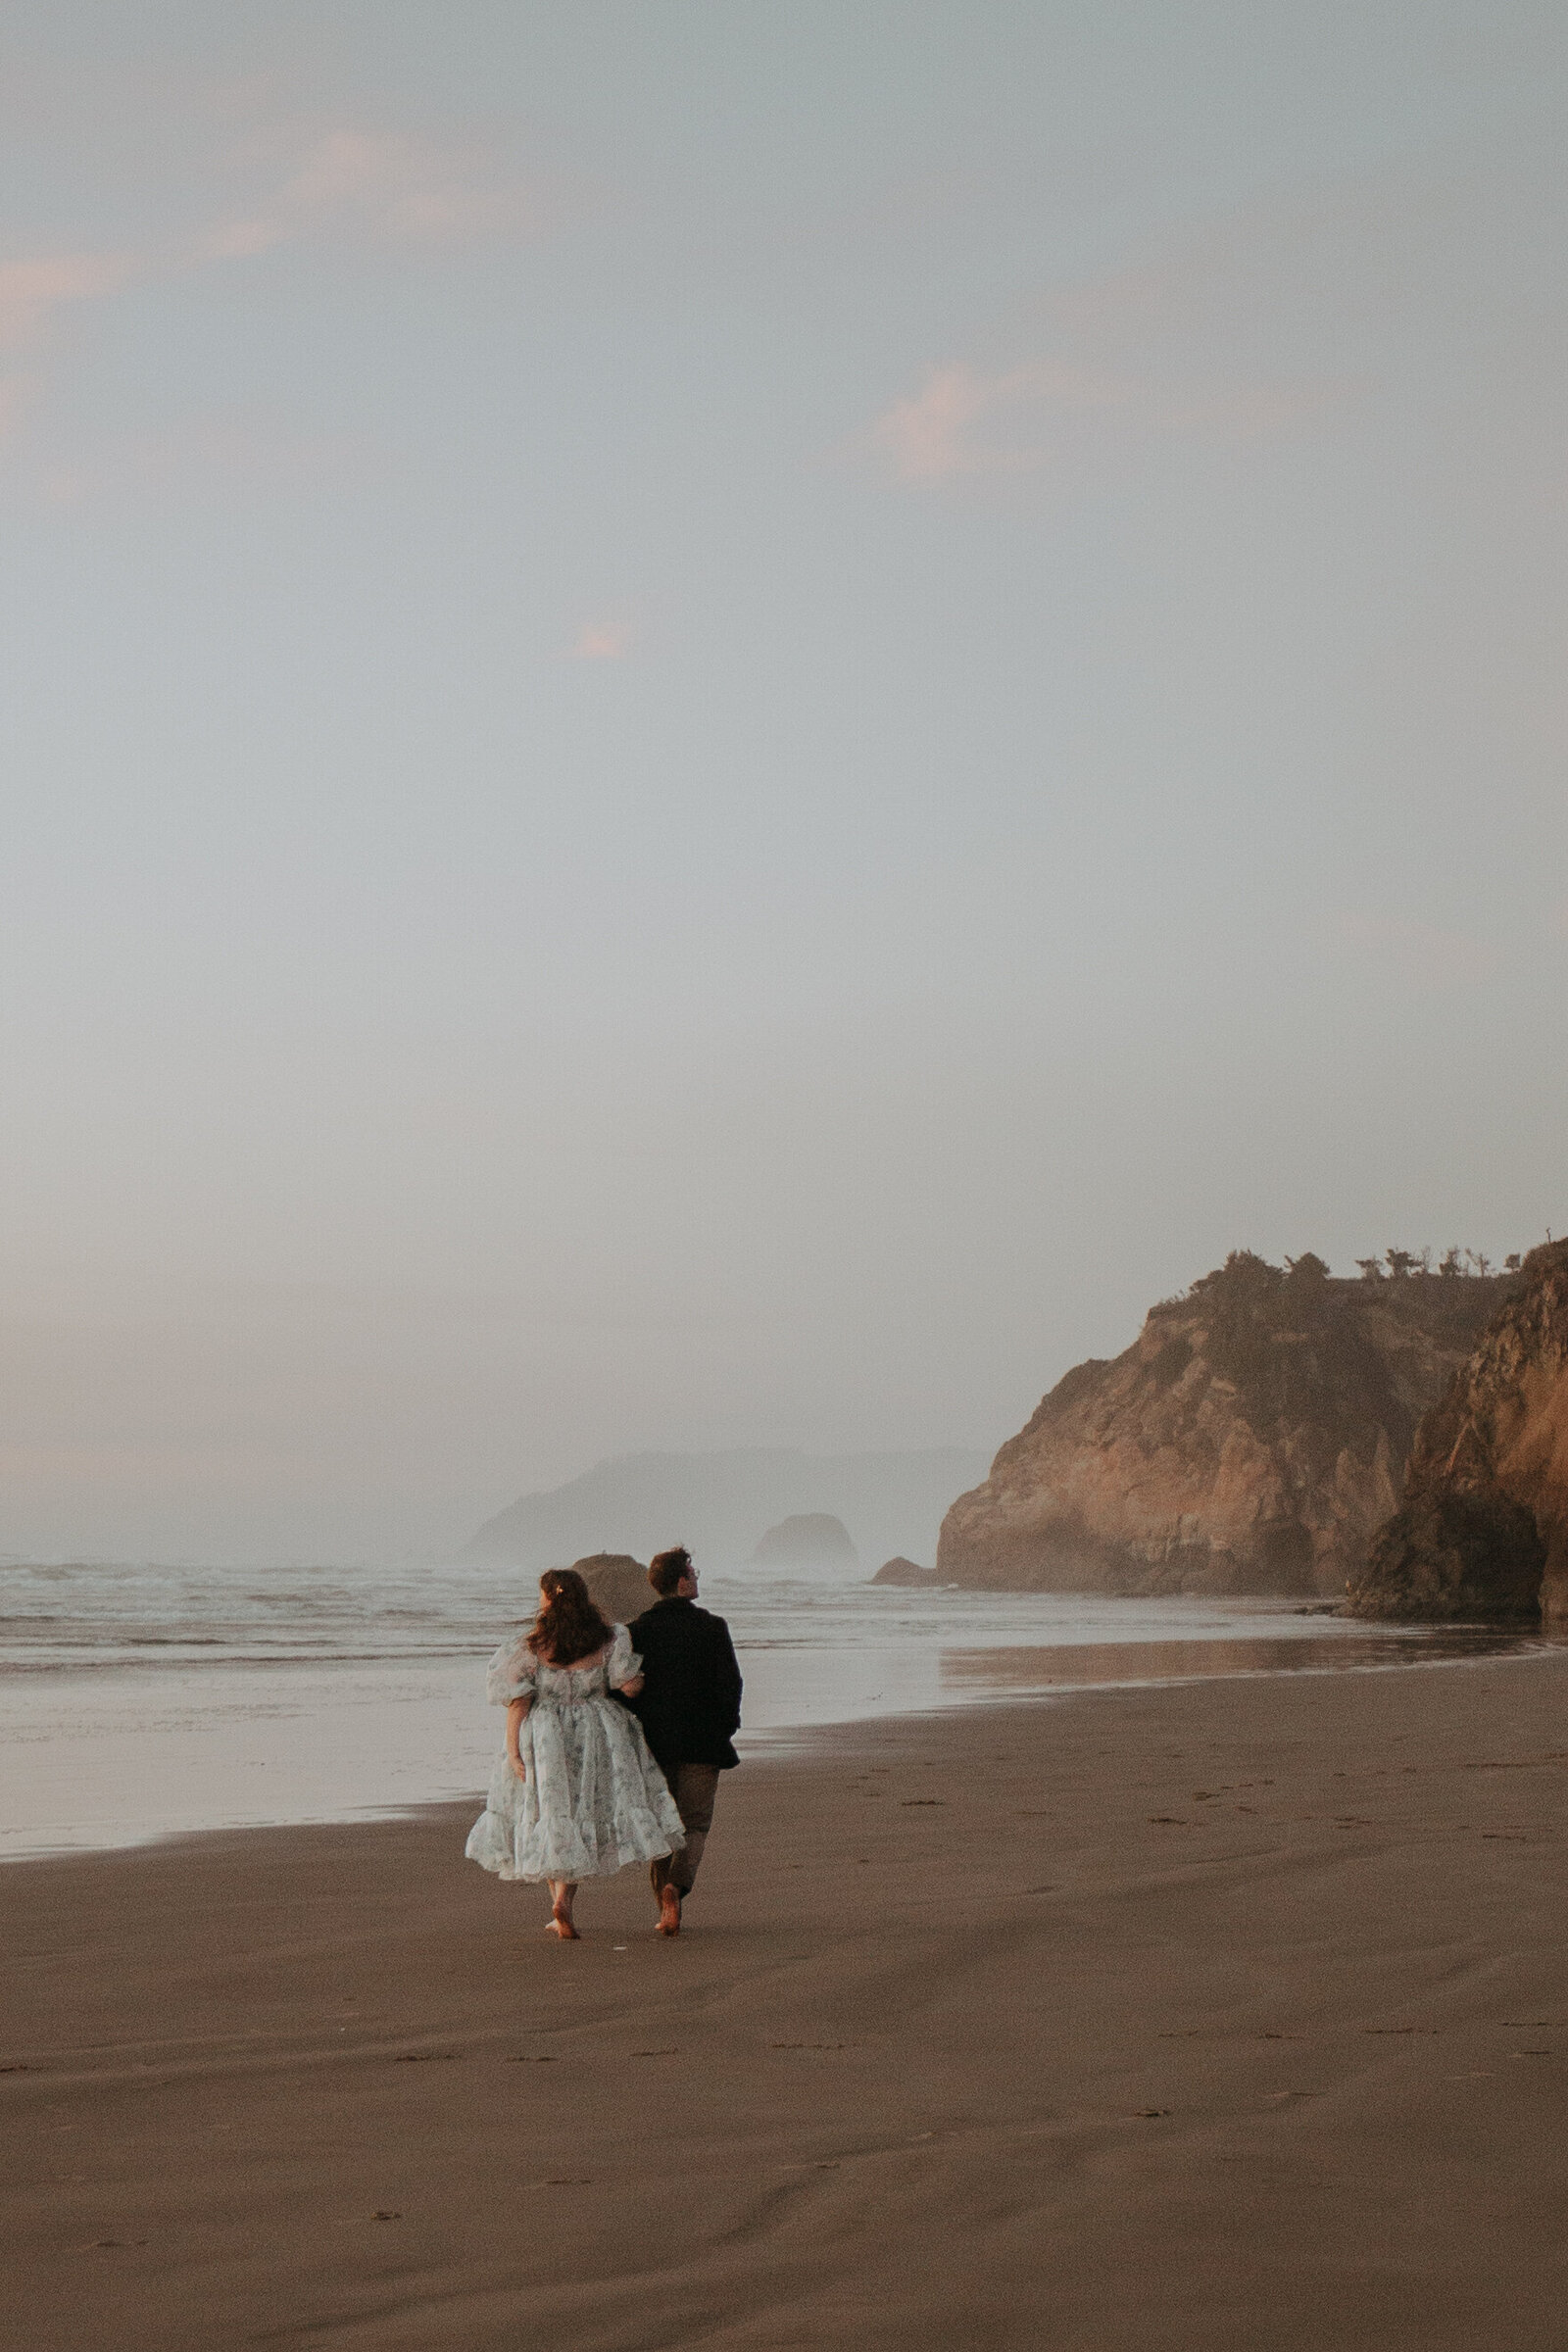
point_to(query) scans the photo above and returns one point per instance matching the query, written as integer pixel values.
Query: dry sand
(1230, 2016)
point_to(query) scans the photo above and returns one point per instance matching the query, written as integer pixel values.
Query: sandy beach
(1229, 2015)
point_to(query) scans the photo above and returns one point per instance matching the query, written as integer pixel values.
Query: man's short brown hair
(667, 1568)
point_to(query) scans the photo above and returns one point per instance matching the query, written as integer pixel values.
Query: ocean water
(142, 1702)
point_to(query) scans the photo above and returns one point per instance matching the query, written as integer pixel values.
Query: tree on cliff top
(1243, 1275)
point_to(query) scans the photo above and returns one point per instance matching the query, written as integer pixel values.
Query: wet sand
(1229, 2015)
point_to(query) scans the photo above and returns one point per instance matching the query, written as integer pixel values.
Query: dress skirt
(594, 1799)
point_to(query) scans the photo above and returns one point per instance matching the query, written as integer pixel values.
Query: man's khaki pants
(694, 1787)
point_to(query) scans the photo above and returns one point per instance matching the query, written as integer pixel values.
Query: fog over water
(722, 726)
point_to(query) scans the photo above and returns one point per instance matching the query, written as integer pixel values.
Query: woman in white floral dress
(575, 1793)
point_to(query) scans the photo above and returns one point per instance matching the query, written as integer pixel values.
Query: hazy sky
(721, 724)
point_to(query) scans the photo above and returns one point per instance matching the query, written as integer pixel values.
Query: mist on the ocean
(656, 801)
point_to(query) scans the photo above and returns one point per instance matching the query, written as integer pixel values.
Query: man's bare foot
(669, 1910)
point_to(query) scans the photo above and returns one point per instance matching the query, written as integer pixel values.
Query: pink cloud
(601, 641)
(396, 186)
(1202, 342)
(306, 183)
(31, 291)
(1049, 412)
(938, 431)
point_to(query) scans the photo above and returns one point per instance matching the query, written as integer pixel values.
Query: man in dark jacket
(690, 1708)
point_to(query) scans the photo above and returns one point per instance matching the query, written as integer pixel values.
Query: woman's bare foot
(561, 1924)
(668, 1909)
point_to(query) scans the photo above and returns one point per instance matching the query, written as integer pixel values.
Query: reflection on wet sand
(1092, 1665)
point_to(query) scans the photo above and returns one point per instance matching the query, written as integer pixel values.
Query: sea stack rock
(1252, 1439)
(618, 1584)
(899, 1571)
(808, 1539)
(1483, 1529)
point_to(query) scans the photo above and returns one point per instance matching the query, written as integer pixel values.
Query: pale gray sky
(721, 724)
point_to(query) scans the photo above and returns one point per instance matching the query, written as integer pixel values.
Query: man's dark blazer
(690, 1703)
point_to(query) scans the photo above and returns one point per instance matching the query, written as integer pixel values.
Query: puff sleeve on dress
(510, 1673)
(622, 1665)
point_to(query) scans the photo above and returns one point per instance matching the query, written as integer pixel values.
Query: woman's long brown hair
(568, 1626)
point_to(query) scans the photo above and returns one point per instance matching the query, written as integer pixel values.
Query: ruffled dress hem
(594, 1800)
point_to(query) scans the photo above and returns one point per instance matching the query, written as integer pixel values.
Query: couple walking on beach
(585, 1784)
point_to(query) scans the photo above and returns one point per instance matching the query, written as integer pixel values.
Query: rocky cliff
(1250, 1441)
(1483, 1528)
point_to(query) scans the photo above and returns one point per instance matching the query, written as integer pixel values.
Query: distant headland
(722, 1504)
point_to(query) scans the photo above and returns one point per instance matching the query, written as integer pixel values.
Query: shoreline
(309, 1743)
(1220, 2011)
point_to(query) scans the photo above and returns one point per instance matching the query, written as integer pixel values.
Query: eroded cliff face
(1483, 1528)
(1250, 1441)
